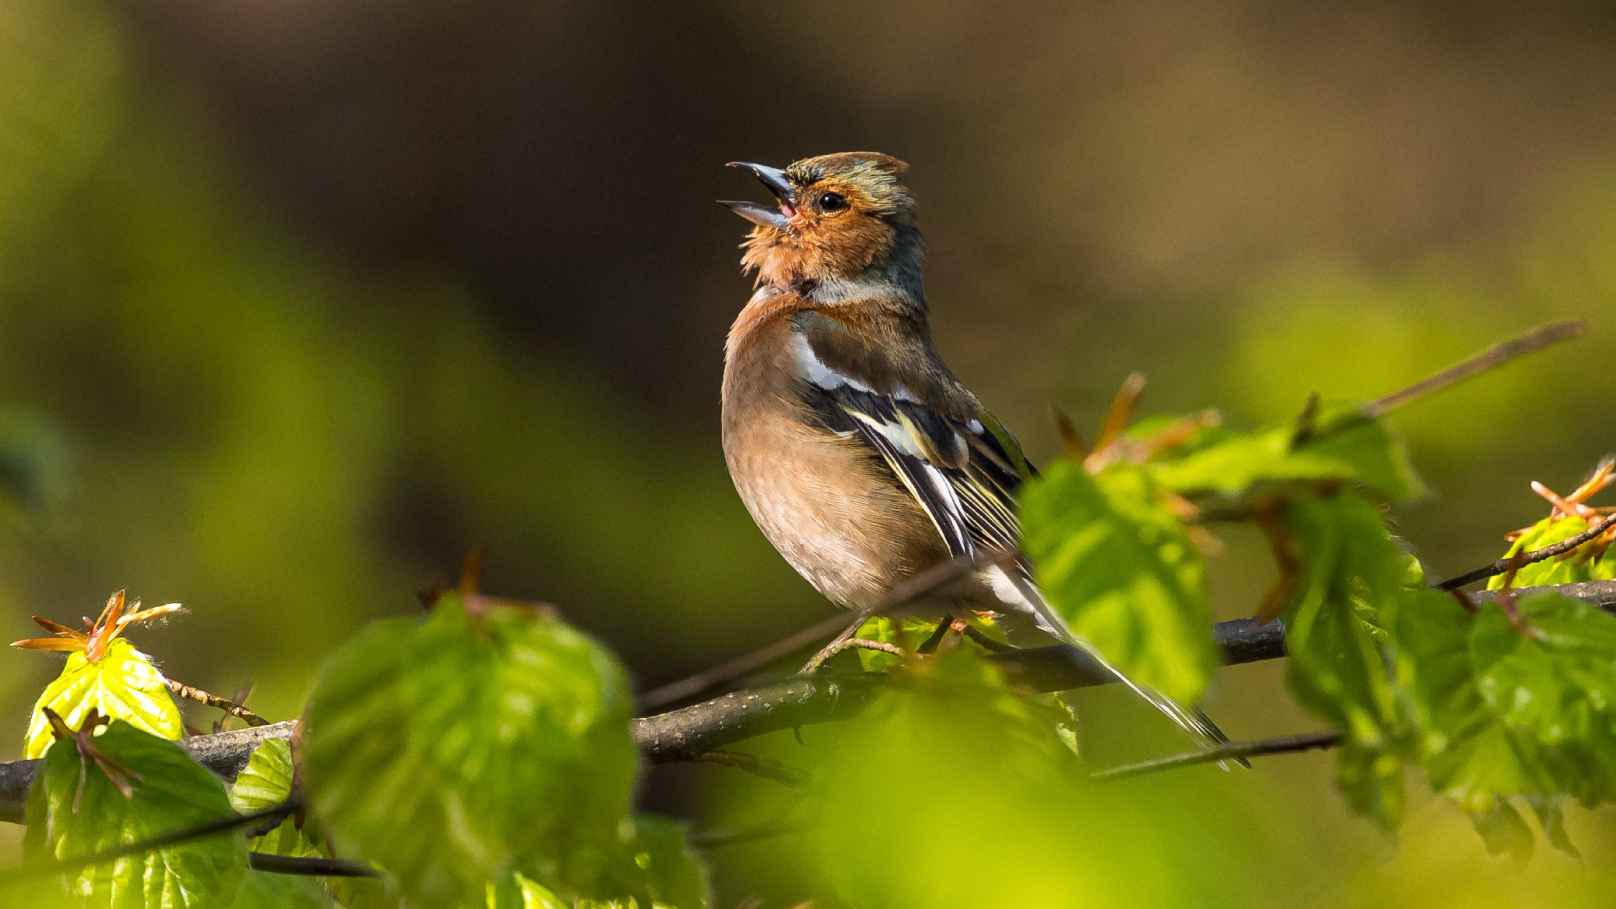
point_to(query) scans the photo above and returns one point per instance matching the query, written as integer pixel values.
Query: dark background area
(300, 301)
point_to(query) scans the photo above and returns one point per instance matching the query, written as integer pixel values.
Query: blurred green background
(300, 301)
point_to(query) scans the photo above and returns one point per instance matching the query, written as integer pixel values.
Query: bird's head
(839, 222)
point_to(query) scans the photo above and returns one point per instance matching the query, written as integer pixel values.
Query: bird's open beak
(784, 193)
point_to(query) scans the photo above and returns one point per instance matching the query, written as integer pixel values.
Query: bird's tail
(1190, 719)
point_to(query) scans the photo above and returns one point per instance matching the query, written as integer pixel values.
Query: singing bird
(859, 454)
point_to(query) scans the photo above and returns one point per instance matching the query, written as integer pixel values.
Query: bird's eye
(832, 202)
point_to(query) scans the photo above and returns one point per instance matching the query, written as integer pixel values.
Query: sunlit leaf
(265, 782)
(1351, 578)
(1001, 815)
(1513, 708)
(655, 866)
(455, 749)
(1583, 564)
(1119, 566)
(262, 890)
(1341, 447)
(1553, 684)
(519, 892)
(1466, 751)
(1503, 830)
(123, 685)
(75, 810)
(888, 630)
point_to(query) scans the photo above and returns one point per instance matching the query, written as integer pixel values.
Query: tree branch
(1288, 744)
(686, 734)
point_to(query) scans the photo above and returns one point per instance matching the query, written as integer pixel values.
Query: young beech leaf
(518, 892)
(262, 890)
(1342, 446)
(655, 866)
(888, 630)
(1553, 686)
(1002, 815)
(1581, 564)
(455, 749)
(74, 810)
(1468, 754)
(1118, 564)
(1507, 710)
(123, 685)
(1349, 586)
(266, 782)
(909, 633)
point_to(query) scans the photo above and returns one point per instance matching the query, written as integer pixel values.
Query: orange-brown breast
(827, 503)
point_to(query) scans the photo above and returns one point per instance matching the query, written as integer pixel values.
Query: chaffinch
(859, 454)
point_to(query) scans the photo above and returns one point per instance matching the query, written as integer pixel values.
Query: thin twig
(745, 664)
(1536, 555)
(844, 644)
(163, 841)
(1231, 751)
(922, 584)
(308, 866)
(1491, 358)
(767, 768)
(708, 839)
(213, 700)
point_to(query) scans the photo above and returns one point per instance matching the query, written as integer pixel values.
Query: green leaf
(1507, 709)
(1550, 813)
(1582, 564)
(123, 685)
(76, 810)
(1343, 447)
(261, 890)
(955, 793)
(1351, 580)
(366, 892)
(519, 892)
(456, 749)
(265, 782)
(1120, 568)
(909, 633)
(887, 630)
(1371, 779)
(656, 867)
(1467, 752)
(1553, 685)
(1503, 830)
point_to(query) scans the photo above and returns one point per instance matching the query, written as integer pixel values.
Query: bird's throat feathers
(871, 258)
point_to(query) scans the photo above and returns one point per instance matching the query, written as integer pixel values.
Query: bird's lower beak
(784, 193)
(759, 214)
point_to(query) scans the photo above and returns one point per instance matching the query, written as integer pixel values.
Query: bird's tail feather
(1190, 719)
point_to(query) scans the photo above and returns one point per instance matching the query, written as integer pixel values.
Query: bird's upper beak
(784, 193)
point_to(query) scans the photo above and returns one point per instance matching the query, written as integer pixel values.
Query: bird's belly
(831, 508)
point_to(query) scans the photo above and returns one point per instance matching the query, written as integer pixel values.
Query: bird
(860, 455)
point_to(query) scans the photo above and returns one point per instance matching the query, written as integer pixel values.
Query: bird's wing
(954, 458)
(960, 464)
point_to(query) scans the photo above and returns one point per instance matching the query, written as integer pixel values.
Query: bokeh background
(300, 301)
